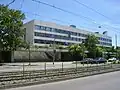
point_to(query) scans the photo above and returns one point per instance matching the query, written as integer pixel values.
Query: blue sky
(110, 8)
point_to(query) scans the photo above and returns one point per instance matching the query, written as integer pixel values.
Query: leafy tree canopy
(91, 45)
(78, 49)
(11, 31)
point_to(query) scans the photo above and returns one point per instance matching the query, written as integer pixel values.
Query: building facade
(46, 33)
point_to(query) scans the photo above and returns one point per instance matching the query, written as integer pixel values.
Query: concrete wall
(35, 56)
(42, 56)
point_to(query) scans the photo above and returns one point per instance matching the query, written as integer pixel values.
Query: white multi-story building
(46, 33)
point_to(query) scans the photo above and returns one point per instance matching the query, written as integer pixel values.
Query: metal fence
(20, 74)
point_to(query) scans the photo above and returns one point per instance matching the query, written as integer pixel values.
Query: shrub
(118, 62)
(114, 62)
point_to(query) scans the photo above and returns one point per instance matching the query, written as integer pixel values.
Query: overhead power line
(72, 13)
(92, 9)
(58, 20)
(10, 3)
(61, 21)
(47, 16)
(96, 11)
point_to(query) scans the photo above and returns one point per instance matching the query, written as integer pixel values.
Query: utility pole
(54, 51)
(116, 44)
(29, 54)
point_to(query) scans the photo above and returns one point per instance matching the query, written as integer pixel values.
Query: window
(48, 29)
(42, 27)
(79, 34)
(39, 41)
(48, 35)
(110, 40)
(57, 30)
(86, 35)
(80, 39)
(37, 27)
(73, 33)
(77, 39)
(49, 42)
(82, 35)
(74, 39)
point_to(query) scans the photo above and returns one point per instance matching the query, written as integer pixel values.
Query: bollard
(87, 66)
(98, 67)
(62, 66)
(104, 66)
(23, 68)
(76, 66)
(111, 64)
(45, 67)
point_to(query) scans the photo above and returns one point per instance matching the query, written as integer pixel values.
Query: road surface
(109, 81)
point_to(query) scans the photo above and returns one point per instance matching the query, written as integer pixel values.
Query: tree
(83, 50)
(11, 31)
(91, 45)
(110, 52)
(118, 52)
(78, 50)
(100, 51)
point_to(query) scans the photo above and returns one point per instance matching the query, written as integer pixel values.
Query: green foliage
(77, 49)
(118, 62)
(83, 49)
(99, 51)
(90, 43)
(114, 62)
(11, 32)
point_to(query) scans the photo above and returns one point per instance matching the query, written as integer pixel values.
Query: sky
(109, 8)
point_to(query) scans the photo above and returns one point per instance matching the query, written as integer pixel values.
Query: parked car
(87, 61)
(112, 59)
(99, 60)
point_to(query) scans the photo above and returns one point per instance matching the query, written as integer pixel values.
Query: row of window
(61, 43)
(105, 39)
(58, 36)
(103, 43)
(37, 27)
(50, 42)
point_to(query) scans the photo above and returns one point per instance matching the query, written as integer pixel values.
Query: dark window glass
(49, 42)
(82, 35)
(80, 39)
(48, 29)
(110, 40)
(79, 34)
(43, 28)
(75, 34)
(56, 36)
(37, 27)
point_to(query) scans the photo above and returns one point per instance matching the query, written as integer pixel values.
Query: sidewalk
(11, 67)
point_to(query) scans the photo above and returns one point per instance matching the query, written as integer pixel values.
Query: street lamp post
(54, 51)
(29, 53)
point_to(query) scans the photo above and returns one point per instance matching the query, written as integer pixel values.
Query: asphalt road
(109, 81)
